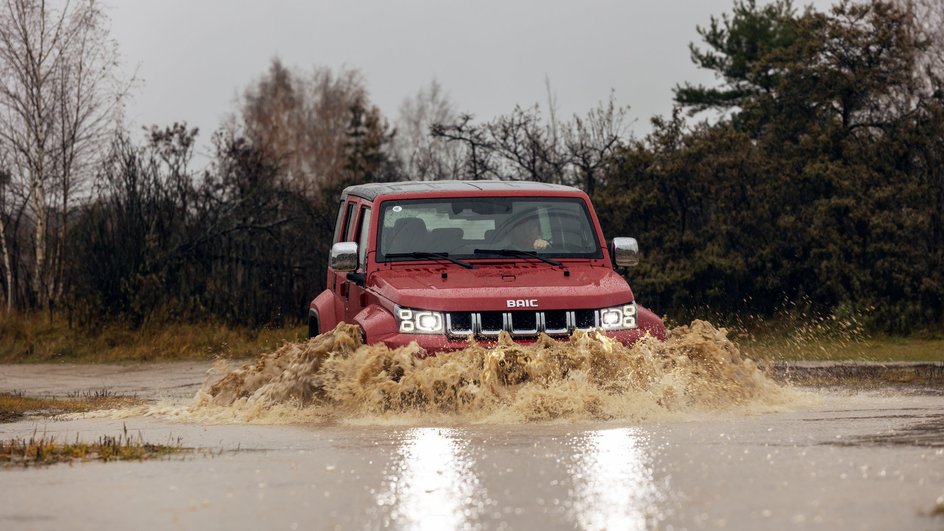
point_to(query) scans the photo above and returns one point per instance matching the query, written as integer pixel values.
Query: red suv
(440, 262)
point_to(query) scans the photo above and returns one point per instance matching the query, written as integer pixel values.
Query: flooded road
(589, 434)
(839, 460)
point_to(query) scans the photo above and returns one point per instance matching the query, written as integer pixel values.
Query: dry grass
(880, 348)
(14, 406)
(798, 334)
(34, 339)
(46, 450)
(831, 338)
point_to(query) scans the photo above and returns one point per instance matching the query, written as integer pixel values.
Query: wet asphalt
(842, 458)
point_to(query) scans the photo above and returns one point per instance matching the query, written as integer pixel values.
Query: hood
(490, 288)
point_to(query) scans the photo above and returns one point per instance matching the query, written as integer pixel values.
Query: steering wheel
(510, 225)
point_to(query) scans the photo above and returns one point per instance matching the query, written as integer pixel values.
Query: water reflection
(433, 485)
(613, 481)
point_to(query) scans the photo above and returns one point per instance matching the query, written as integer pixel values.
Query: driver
(527, 236)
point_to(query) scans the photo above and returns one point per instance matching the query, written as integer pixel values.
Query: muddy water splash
(334, 377)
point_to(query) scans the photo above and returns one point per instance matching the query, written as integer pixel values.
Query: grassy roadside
(878, 348)
(44, 449)
(806, 338)
(37, 339)
(47, 450)
(14, 405)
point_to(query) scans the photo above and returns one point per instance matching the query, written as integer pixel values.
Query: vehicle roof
(374, 190)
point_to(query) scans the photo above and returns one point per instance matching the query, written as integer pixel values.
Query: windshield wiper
(425, 254)
(518, 252)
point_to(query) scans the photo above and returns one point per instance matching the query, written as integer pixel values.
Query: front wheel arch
(376, 323)
(314, 324)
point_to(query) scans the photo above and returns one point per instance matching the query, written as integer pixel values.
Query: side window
(342, 229)
(364, 233)
(337, 224)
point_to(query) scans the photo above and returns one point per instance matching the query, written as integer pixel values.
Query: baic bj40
(440, 262)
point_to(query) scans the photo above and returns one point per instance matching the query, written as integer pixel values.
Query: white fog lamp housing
(419, 321)
(619, 317)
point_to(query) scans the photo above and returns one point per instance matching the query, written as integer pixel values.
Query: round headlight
(428, 321)
(611, 317)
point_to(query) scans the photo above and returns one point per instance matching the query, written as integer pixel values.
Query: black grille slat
(524, 323)
(556, 322)
(585, 319)
(460, 323)
(491, 323)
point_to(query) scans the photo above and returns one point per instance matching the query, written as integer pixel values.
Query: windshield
(479, 227)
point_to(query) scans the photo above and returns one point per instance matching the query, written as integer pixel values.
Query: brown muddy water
(588, 434)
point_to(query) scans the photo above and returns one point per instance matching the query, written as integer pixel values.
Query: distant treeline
(822, 183)
(813, 172)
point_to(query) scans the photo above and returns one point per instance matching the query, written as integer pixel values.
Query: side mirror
(343, 257)
(625, 252)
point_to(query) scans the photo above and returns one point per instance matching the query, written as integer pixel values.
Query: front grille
(488, 325)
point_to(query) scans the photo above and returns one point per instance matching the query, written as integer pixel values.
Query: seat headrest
(410, 225)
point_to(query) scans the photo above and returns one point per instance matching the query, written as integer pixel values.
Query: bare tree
(476, 141)
(928, 16)
(528, 148)
(4, 248)
(593, 140)
(14, 201)
(59, 98)
(522, 146)
(426, 157)
(272, 115)
(303, 121)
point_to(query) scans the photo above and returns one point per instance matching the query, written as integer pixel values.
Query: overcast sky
(195, 56)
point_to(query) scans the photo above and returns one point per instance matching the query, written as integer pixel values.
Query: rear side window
(337, 225)
(343, 225)
(364, 234)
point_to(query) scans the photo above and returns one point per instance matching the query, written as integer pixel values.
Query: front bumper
(440, 343)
